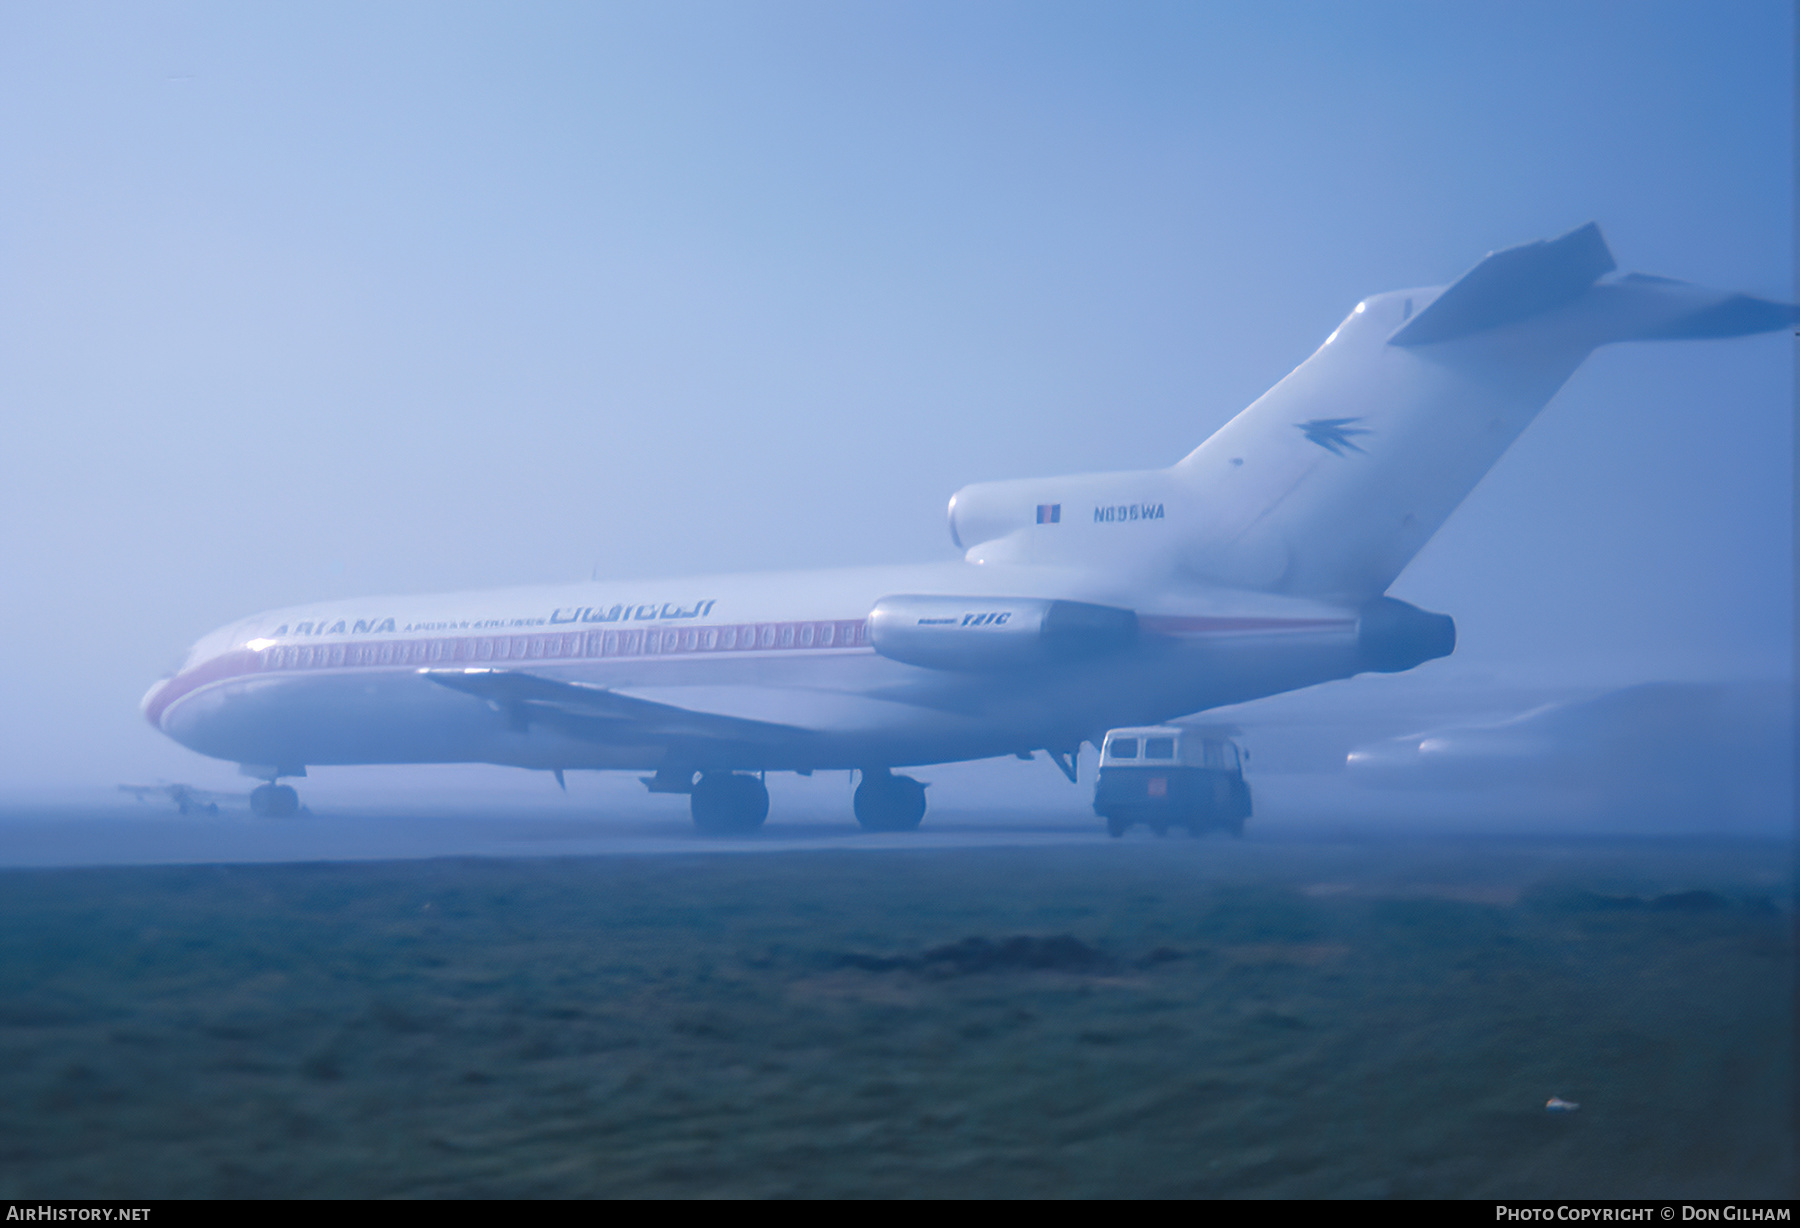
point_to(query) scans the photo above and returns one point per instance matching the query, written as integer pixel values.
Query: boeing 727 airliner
(1257, 564)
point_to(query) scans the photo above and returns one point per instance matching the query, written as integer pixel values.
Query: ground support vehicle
(1165, 776)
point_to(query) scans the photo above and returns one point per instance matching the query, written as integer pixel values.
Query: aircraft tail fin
(1330, 482)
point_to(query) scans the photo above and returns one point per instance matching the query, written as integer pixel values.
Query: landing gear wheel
(1116, 825)
(885, 802)
(729, 803)
(274, 801)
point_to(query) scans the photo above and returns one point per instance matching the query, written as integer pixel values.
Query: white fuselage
(341, 682)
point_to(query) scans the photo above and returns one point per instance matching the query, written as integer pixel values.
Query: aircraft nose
(155, 701)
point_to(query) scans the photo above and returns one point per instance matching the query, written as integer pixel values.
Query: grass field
(1181, 1018)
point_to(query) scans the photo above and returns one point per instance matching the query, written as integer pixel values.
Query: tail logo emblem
(1333, 434)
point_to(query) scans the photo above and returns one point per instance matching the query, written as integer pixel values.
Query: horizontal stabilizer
(1646, 308)
(1512, 285)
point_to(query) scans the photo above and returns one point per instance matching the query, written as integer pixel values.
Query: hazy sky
(309, 300)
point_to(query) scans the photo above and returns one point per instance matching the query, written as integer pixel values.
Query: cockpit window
(1124, 748)
(1159, 748)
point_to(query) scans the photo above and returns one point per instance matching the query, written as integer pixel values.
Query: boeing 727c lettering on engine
(1267, 571)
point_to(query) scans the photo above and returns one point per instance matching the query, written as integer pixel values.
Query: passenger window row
(843, 633)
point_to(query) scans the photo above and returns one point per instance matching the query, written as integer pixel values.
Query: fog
(325, 301)
(310, 302)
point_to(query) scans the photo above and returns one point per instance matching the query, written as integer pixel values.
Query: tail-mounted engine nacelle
(996, 633)
(1392, 636)
(990, 510)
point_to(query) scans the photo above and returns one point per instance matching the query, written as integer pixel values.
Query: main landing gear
(736, 803)
(273, 801)
(729, 803)
(886, 802)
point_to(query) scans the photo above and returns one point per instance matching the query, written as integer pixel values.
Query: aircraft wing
(525, 696)
(732, 713)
